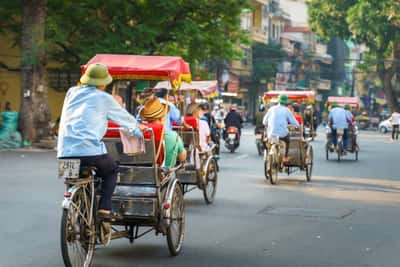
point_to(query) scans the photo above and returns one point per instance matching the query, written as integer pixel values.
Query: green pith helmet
(347, 107)
(335, 104)
(283, 99)
(96, 75)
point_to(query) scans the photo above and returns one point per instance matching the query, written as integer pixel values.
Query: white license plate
(68, 168)
(258, 136)
(232, 136)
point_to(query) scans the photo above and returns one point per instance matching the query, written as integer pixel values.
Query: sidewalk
(30, 149)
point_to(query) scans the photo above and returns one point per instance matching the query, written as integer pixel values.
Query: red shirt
(299, 119)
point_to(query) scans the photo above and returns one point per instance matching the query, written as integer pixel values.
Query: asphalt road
(347, 216)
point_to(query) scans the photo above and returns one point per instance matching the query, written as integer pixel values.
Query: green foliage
(265, 61)
(370, 22)
(198, 30)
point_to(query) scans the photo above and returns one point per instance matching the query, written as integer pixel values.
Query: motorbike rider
(339, 118)
(276, 121)
(86, 111)
(233, 119)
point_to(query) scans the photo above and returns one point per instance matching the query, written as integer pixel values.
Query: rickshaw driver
(276, 122)
(87, 109)
(339, 118)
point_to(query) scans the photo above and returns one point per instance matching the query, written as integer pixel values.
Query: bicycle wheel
(339, 151)
(211, 182)
(78, 233)
(176, 230)
(273, 166)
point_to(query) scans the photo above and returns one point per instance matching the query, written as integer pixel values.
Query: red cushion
(192, 121)
(112, 133)
(174, 123)
(157, 130)
(299, 119)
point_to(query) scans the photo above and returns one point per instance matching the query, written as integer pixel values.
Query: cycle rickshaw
(353, 146)
(201, 169)
(301, 154)
(146, 196)
(305, 99)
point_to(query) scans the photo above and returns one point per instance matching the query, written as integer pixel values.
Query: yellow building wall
(257, 16)
(10, 81)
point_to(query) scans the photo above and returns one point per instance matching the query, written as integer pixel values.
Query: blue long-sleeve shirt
(84, 118)
(277, 119)
(339, 118)
(172, 116)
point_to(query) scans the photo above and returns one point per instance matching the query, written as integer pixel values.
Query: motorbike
(259, 133)
(232, 138)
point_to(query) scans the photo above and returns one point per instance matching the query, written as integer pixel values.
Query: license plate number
(68, 168)
(258, 136)
(232, 136)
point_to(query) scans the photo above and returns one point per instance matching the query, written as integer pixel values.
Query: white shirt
(395, 118)
(204, 133)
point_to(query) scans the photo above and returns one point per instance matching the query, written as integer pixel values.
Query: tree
(266, 58)
(369, 22)
(198, 30)
(34, 111)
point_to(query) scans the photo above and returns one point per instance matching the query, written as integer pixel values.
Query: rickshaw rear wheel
(356, 151)
(76, 233)
(327, 152)
(176, 229)
(309, 161)
(210, 187)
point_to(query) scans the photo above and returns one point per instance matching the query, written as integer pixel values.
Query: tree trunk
(34, 112)
(391, 97)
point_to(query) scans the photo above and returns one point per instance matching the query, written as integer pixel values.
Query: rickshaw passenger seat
(191, 121)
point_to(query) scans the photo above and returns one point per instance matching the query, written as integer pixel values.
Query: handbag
(132, 145)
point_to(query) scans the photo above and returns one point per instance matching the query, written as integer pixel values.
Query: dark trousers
(286, 139)
(395, 132)
(107, 169)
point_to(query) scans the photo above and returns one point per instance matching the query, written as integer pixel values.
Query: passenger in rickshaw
(349, 113)
(87, 109)
(204, 128)
(276, 121)
(155, 112)
(339, 118)
(295, 109)
(173, 114)
(212, 124)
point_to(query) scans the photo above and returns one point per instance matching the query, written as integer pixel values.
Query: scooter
(232, 139)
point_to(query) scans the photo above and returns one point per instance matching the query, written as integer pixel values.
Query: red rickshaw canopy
(206, 88)
(344, 100)
(292, 95)
(138, 67)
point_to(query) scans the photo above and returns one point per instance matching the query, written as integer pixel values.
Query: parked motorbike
(232, 138)
(259, 132)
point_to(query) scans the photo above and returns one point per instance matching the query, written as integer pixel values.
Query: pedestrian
(395, 120)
